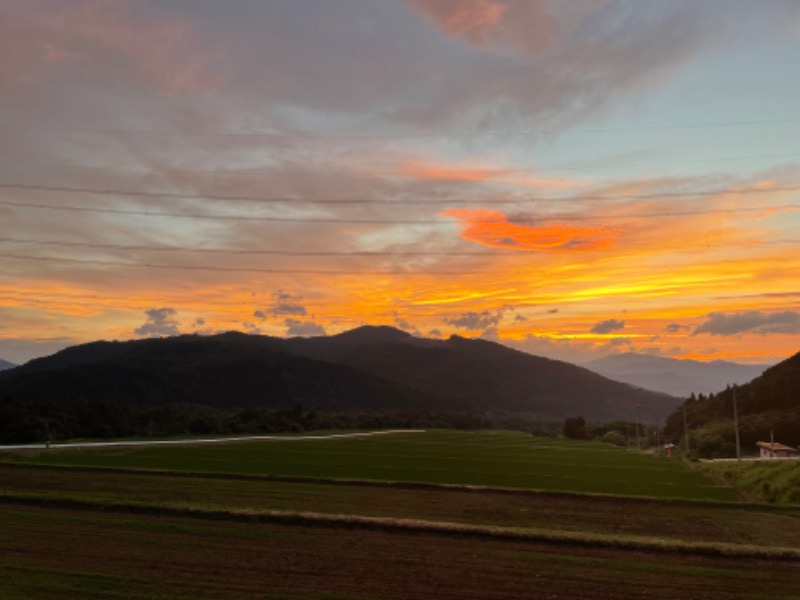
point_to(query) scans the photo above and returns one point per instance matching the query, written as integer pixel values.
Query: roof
(776, 447)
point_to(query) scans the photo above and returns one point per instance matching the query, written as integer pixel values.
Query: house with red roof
(770, 450)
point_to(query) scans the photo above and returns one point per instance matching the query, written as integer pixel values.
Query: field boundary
(203, 441)
(411, 485)
(387, 524)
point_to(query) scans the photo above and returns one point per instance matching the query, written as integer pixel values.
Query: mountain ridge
(380, 368)
(673, 376)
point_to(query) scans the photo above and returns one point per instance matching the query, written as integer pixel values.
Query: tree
(575, 428)
(614, 437)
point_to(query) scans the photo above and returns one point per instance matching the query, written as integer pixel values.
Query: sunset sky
(572, 179)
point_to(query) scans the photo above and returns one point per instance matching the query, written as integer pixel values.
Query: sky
(570, 179)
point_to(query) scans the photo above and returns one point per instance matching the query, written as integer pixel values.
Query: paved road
(192, 442)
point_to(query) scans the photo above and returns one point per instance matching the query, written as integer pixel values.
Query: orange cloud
(770, 212)
(471, 19)
(437, 171)
(492, 228)
(112, 41)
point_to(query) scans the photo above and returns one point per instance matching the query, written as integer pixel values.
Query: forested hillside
(769, 403)
(376, 369)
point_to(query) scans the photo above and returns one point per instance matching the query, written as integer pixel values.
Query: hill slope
(676, 377)
(230, 370)
(377, 368)
(770, 402)
(491, 377)
(5, 365)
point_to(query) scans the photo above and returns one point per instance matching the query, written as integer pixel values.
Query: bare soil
(53, 553)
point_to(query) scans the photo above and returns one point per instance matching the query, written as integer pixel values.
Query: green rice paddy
(496, 459)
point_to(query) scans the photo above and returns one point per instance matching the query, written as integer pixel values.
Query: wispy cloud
(352, 151)
(752, 321)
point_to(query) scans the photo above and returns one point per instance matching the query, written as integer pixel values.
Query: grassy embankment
(775, 481)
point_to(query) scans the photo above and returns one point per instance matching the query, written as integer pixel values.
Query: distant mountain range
(675, 377)
(369, 368)
(5, 365)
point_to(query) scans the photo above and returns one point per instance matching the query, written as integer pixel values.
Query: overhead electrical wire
(442, 135)
(278, 252)
(542, 217)
(299, 271)
(267, 169)
(487, 252)
(235, 198)
(401, 202)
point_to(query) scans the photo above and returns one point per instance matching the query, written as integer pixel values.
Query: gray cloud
(404, 324)
(303, 328)
(474, 321)
(283, 304)
(753, 321)
(252, 328)
(527, 50)
(676, 327)
(615, 346)
(160, 322)
(491, 334)
(289, 309)
(516, 60)
(608, 326)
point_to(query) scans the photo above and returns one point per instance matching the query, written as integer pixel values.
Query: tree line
(39, 422)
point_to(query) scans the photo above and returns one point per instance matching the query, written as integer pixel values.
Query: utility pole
(658, 435)
(638, 447)
(685, 430)
(736, 425)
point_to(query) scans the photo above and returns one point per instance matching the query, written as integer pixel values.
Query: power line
(367, 201)
(108, 263)
(237, 198)
(280, 252)
(441, 222)
(444, 135)
(250, 218)
(284, 252)
(260, 171)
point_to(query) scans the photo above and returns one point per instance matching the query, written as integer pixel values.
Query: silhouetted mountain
(676, 377)
(5, 365)
(377, 368)
(770, 402)
(491, 377)
(337, 348)
(232, 369)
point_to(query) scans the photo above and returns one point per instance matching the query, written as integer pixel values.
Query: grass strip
(388, 524)
(412, 485)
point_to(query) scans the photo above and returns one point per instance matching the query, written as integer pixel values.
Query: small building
(771, 450)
